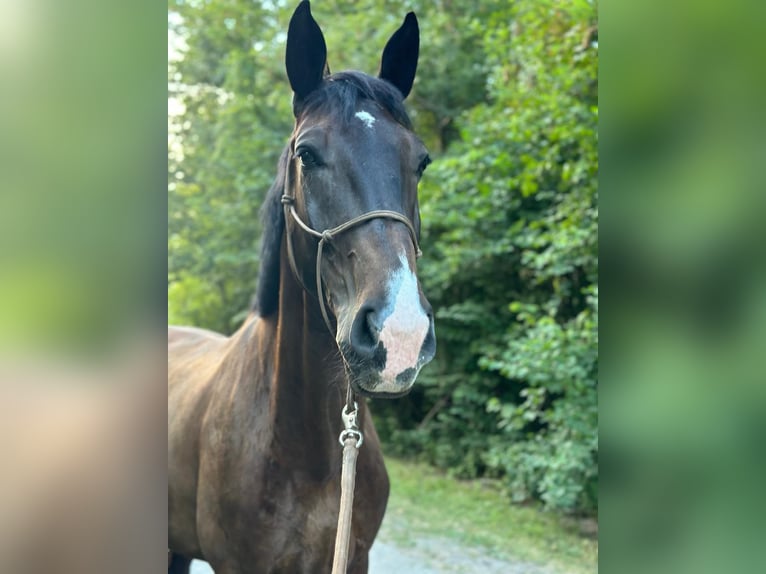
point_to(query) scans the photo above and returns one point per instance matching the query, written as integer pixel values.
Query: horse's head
(352, 168)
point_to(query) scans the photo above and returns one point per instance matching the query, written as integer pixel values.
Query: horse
(253, 419)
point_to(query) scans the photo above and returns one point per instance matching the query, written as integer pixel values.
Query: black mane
(339, 94)
(266, 297)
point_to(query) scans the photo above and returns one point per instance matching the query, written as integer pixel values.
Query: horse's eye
(423, 165)
(307, 157)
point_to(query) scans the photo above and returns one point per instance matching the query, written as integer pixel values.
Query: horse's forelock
(342, 92)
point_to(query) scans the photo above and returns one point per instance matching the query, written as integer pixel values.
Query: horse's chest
(321, 512)
(259, 508)
(294, 524)
(311, 509)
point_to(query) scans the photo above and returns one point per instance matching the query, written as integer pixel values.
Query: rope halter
(326, 237)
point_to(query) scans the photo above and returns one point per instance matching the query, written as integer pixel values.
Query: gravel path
(424, 555)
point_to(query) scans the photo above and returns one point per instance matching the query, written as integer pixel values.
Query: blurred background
(681, 402)
(82, 293)
(506, 100)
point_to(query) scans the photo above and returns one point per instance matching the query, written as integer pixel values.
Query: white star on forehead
(366, 117)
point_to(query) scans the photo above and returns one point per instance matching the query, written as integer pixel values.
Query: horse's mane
(339, 94)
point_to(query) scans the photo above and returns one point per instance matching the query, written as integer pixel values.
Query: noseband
(326, 236)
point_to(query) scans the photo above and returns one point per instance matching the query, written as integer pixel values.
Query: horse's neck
(308, 385)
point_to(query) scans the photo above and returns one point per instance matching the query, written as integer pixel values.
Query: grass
(477, 514)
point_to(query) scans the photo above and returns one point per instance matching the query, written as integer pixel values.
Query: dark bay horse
(254, 419)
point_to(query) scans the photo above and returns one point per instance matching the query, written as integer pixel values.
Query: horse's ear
(306, 55)
(400, 56)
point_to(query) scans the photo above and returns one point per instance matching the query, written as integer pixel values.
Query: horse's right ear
(306, 55)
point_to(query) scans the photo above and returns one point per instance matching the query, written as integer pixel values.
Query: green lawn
(477, 513)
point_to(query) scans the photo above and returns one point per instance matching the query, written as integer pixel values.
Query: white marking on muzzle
(366, 117)
(405, 328)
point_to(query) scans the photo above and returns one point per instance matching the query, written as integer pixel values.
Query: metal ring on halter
(351, 433)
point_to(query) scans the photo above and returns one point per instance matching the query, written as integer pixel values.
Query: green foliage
(506, 99)
(558, 364)
(223, 149)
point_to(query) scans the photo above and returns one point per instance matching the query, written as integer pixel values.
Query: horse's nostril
(373, 325)
(429, 345)
(365, 331)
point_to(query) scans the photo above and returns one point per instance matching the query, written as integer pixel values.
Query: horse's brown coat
(254, 474)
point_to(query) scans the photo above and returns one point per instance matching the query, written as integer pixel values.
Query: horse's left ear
(400, 56)
(306, 54)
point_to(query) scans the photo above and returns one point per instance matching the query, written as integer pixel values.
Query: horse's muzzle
(388, 344)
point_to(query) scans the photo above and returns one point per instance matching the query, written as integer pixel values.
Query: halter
(351, 437)
(326, 236)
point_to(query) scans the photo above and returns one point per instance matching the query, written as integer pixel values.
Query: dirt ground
(425, 555)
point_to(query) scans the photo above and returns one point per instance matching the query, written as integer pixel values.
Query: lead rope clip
(352, 428)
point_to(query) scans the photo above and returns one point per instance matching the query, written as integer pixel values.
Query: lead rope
(351, 437)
